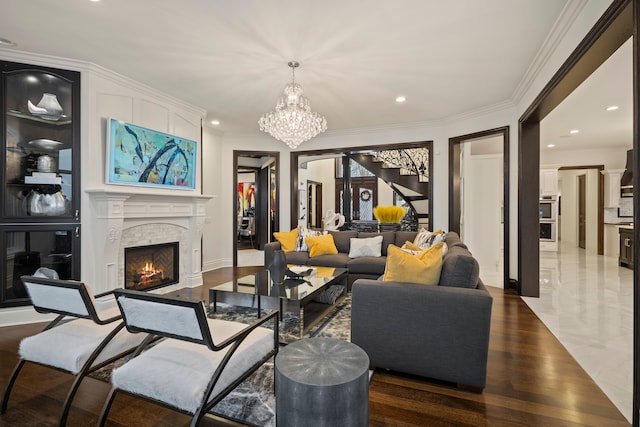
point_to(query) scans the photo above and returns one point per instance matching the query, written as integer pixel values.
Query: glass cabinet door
(41, 129)
(40, 175)
(46, 249)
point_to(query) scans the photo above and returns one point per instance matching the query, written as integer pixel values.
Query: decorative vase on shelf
(48, 107)
(278, 267)
(50, 103)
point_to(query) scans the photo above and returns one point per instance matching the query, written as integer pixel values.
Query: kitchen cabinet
(612, 240)
(612, 188)
(40, 205)
(626, 247)
(548, 182)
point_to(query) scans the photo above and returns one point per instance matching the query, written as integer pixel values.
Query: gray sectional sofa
(440, 332)
(359, 268)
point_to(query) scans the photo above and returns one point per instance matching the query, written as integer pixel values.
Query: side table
(322, 382)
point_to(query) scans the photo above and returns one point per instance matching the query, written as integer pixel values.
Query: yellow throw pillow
(287, 239)
(423, 268)
(321, 245)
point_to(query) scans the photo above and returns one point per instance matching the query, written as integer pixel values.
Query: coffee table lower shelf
(299, 313)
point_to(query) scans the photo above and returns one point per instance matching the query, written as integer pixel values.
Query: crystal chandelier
(293, 122)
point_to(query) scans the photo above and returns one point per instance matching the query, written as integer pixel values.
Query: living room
(109, 92)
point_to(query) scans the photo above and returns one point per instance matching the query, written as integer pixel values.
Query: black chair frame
(233, 342)
(87, 368)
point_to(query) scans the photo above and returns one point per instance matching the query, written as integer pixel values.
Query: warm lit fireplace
(151, 266)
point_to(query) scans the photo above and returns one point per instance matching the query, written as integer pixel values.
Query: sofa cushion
(423, 268)
(338, 260)
(459, 269)
(287, 239)
(321, 245)
(369, 247)
(342, 239)
(367, 265)
(298, 258)
(388, 238)
(403, 236)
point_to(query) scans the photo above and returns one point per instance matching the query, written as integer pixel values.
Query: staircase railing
(410, 161)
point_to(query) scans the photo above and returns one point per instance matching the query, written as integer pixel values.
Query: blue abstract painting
(141, 156)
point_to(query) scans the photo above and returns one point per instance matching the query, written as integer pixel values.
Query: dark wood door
(364, 197)
(582, 211)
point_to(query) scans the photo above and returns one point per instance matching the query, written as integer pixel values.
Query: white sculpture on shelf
(333, 221)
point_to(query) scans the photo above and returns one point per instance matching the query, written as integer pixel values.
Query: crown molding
(567, 17)
(96, 70)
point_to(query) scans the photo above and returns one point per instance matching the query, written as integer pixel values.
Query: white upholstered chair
(87, 334)
(200, 360)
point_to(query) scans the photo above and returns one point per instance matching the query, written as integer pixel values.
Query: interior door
(582, 211)
(364, 197)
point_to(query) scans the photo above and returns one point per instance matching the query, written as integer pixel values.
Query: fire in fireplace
(151, 266)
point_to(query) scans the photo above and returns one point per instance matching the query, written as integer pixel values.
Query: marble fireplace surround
(125, 219)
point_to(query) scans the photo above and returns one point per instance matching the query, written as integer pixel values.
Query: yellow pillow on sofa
(423, 268)
(287, 239)
(321, 245)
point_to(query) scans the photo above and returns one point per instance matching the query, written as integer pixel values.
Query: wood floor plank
(532, 381)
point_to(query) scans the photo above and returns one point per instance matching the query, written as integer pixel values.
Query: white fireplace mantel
(175, 215)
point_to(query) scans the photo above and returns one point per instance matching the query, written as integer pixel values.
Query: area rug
(253, 402)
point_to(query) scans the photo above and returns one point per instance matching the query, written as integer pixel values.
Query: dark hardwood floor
(532, 381)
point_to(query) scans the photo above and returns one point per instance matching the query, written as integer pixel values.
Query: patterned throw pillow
(303, 233)
(425, 238)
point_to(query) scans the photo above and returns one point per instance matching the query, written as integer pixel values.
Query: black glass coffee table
(302, 302)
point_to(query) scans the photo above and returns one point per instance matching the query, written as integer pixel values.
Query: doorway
(478, 194)
(256, 183)
(364, 197)
(581, 207)
(314, 204)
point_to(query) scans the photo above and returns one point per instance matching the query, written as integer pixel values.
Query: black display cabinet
(40, 206)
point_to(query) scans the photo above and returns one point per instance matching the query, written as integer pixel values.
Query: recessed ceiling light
(401, 99)
(574, 131)
(6, 42)
(612, 108)
(215, 122)
(551, 145)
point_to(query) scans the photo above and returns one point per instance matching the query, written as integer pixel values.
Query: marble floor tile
(586, 301)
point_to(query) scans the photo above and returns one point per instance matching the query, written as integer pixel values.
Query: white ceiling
(230, 57)
(585, 109)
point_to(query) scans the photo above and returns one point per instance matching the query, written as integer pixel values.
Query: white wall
(212, 183)
(481, 228)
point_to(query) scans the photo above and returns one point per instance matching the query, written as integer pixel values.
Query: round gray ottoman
(322, 382)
